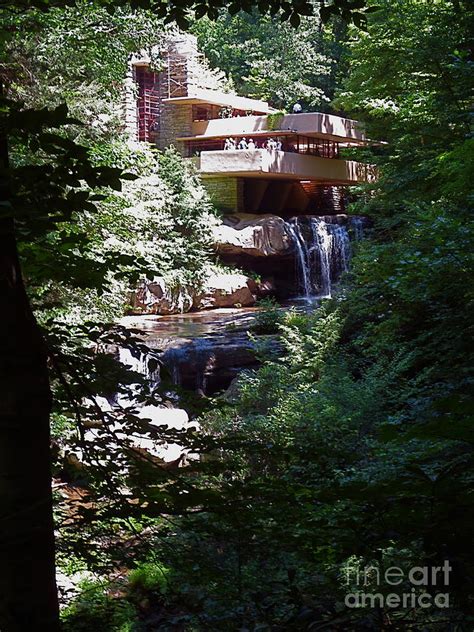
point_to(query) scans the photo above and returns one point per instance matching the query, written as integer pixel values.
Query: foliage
(268, 318)
(95, 609)
(149, 576)
(157, 224)
(182, 10)
(86, 230)
(91, 48)
(304, 63)
(274, 120)
(118, 606)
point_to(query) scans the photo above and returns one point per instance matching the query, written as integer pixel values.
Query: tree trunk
(28, 595)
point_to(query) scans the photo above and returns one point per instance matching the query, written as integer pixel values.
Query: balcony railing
(306, 145)
(280, 164)
(313, 124)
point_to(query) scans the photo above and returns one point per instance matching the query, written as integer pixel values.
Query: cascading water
(303, 255)
(144, 364)
(322, 244)
(341, 248)
(197, 353)
(137, 362)
(323, 253)
(155, 415)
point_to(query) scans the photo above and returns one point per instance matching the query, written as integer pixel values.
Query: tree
(304, 63)
(27, 530)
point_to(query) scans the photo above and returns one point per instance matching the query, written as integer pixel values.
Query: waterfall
(303, 254)
(135, 362)
(157, 445)
(323, 252)
(143, 363)
(198, 354)
(322, 244)
(342, 248)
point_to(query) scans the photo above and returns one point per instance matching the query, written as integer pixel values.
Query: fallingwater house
(278, 178)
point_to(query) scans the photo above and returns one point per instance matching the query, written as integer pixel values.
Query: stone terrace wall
(227, 194)
(175, 121)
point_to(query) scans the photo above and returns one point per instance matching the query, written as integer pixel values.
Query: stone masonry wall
(227, 194)
(183, 68)
(175, 121)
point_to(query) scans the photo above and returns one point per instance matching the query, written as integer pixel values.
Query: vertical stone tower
(152, 88)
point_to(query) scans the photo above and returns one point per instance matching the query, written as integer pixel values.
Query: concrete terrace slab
(279, 164)
(312, 124)
(198, 96)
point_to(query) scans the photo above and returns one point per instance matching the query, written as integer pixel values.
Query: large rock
(227, 290)
(208, 364)
(219, 290)
(200, 352)
(254, 235)
(155, 297)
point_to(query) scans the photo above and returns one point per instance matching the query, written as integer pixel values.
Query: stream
(202, 352)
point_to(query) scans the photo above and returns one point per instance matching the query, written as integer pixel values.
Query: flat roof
(203, 96)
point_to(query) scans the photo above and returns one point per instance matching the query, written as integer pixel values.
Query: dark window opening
(148, 103)
(293, 144)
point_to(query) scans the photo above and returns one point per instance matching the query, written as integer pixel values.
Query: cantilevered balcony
(262, 163)
(201, 96)
(312, 124)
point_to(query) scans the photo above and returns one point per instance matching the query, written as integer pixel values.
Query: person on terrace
(243, 143)
(251, 144)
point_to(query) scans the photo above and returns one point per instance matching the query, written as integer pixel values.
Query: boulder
(254, 235)
(154, 297)
(207, 364)
(219, 290)
(227, 290)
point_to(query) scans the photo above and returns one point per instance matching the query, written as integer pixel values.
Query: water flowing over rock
(300, 256)
(323, 252)
(200, 352)
(169, 416)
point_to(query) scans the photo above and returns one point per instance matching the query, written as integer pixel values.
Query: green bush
(149, 576)
(95, 609)
(267, 320)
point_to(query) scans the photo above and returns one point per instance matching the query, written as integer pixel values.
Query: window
(148, 103)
